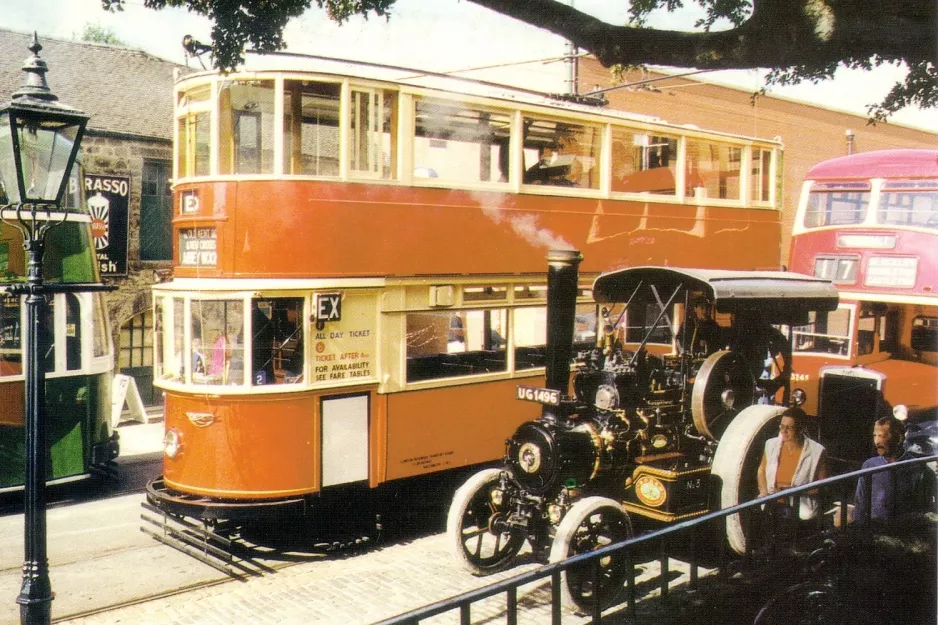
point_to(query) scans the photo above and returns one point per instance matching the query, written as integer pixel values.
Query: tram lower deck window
(217, 353)
(277, 354)
(455, 343)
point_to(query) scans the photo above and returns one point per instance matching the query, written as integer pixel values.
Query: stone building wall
(124, 156)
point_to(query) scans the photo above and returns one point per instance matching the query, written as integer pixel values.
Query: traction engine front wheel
(592, 523)
(476, 526)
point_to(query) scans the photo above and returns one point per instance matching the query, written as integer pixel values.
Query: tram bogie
(664, 402)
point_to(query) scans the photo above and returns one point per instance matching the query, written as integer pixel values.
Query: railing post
(693, 558)
(512, 606)
(554, 598)
(630, 584)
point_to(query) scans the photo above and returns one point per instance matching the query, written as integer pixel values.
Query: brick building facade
(809, 133)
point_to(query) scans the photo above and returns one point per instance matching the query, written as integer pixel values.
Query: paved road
(99, 558)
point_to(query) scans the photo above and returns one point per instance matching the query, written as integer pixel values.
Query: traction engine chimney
(562, 277)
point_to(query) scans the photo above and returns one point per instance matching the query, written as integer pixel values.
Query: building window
(136, 342)
(156, 211)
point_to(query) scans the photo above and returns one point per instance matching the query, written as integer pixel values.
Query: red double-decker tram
(360, 276)
(869, 223)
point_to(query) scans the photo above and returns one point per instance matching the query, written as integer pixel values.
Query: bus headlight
(172, 443)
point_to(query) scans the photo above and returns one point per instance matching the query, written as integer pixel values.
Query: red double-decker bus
(360, 276)
(869, 223)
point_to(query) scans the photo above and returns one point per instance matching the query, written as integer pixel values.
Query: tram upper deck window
(311, 128)
(460, 143)
(277, 340)
(643, 163)
(193, 118)
(712, 170)
(561, 154)
(217, 353)
(761, 182)
(909, 203)
(246, 127)
(372, 133)
(837, 204)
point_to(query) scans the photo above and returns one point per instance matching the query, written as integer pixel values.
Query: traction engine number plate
(547, 396)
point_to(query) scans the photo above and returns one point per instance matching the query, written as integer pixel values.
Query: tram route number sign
(546, 396)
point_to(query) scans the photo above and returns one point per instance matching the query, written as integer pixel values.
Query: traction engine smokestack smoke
(562, 277)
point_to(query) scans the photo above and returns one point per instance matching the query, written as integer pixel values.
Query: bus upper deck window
(246, 127)
(834, 204)
(311, 128)
(461, 143)
(643, 163)
(909, 203)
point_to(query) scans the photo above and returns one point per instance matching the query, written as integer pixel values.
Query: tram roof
(422, 79)
(899, 163)
(778, 296)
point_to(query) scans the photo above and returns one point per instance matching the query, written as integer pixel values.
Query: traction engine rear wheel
(476, 529)
(592, 523)
(736, 463)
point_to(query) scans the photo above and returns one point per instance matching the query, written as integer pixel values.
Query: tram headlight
(555, 513)
(498, 496)
(172, 443)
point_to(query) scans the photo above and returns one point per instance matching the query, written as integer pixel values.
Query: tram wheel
(475, 528)
(592, 523)
(736, 463)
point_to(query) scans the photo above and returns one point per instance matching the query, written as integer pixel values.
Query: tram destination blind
(197, 247)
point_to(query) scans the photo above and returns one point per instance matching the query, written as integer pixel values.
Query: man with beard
(893, 492)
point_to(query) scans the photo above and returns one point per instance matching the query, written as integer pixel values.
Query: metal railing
(843, 485)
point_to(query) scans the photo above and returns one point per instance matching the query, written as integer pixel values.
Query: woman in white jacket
(793, 459)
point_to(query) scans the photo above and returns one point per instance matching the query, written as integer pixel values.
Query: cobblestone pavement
(360, 589)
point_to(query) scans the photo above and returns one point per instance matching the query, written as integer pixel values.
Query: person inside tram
(557, 164)
(292, 337)
(791, 459)
(262, 346)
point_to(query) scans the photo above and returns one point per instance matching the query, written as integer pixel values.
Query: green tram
(79, 361)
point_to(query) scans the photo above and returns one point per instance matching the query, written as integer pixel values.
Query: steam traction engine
(683, 385)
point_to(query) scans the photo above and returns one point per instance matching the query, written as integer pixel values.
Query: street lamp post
(39, 140)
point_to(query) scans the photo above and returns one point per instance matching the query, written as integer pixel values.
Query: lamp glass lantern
(39, 142)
